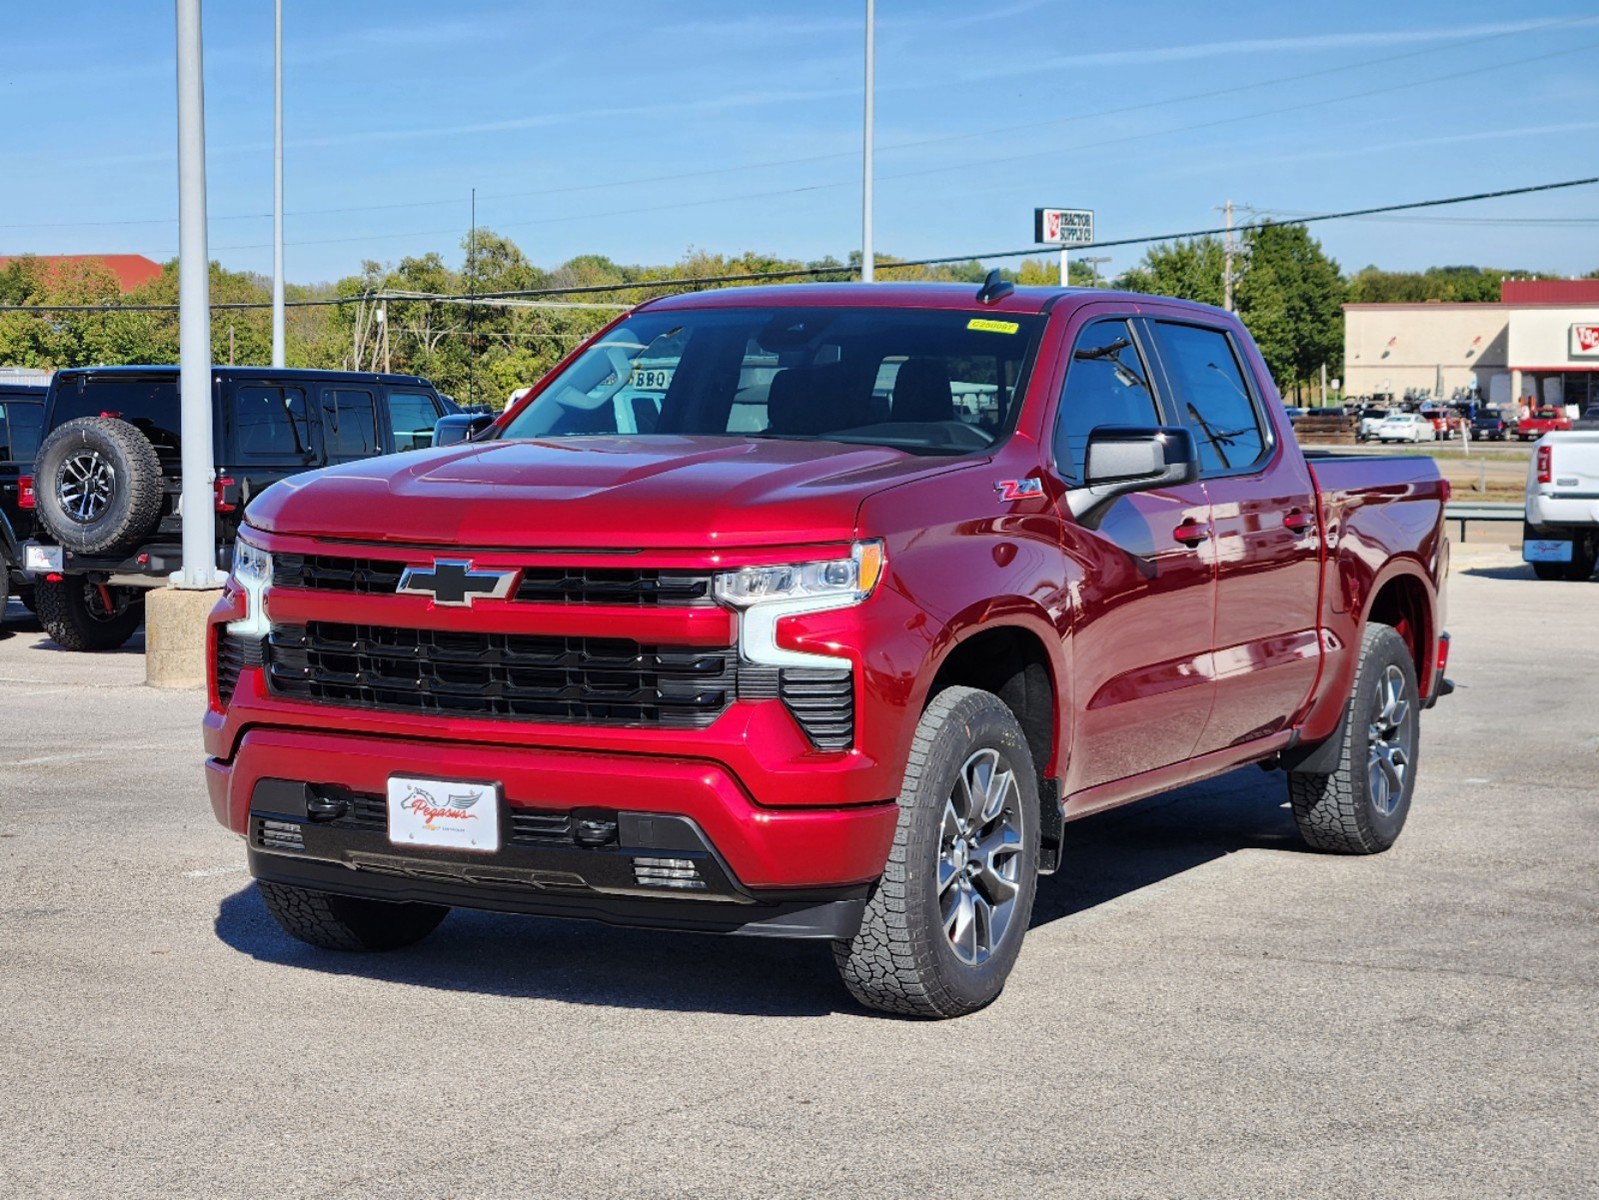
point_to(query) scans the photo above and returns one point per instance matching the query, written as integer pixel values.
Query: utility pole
(868, 259)
(1065, 267)
(1227, 260)
(194, 312)
(277, 185)
(1093, 260)
(471, 291)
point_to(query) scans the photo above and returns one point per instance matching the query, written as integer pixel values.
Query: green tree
(1190, 269)
(1290, 296)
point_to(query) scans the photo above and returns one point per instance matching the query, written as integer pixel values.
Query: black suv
(21, 418)
(108, 478)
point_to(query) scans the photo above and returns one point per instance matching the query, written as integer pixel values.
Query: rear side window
(1212, 395)
(271, 423)
(412, 416)
(350, 423)
(1106, 384)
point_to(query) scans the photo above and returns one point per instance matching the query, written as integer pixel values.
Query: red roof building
(1549, 291)
(131, 270)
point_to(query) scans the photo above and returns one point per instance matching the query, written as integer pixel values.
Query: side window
(26, 423)
(412, 416)
(1212, 395)
(1106, 384)
(350, 423)
(271, 423)
(5, 436)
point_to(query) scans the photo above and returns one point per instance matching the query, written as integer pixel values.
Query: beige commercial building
(1540, 342)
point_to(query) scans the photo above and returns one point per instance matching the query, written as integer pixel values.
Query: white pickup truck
(1561, 535)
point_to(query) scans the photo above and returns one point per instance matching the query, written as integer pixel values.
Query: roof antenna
(995, 288)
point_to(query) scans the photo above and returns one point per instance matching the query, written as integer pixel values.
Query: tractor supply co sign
(1063, 226)
(1585, 341)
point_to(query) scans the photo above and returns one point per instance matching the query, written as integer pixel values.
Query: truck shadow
(1524, 571)
(582, 962)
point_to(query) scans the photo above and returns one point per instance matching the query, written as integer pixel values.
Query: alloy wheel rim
(980, 857)
(87, 483)
(1389, 741)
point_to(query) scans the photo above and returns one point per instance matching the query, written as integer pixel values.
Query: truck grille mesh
(823, 702)
(512, 676)
(634, 586)
(233, 655)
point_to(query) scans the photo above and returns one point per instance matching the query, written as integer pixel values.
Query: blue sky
(639, 130)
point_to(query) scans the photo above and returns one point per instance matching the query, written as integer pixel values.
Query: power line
(812, 272)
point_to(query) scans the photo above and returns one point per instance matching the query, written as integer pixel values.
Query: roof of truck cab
(962, 296)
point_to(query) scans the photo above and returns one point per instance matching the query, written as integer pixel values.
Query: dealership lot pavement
(1202, 1007)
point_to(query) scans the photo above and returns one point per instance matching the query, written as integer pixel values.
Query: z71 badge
(1019, 489)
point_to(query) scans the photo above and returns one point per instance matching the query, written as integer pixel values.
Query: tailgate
(1573, 466)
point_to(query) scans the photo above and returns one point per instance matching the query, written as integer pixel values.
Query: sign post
(1064, 227)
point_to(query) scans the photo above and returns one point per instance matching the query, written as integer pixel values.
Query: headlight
(847, 580)
(252, 566)
(252, 575)
(766, 595)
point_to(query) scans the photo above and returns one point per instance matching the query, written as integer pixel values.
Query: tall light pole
(867, 254)
(194, 312)
(277, 184)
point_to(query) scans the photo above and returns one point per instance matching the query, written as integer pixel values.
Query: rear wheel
(1360, 806)
(81, 615)
(945, 922)
(351, 923)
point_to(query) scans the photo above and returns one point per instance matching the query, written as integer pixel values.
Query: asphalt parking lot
(1202, 1008)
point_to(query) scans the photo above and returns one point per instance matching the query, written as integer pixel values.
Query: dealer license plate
(40, 558)
(1545, 551)
(444, 814)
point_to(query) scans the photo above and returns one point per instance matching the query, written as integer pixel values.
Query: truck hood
(601, 493)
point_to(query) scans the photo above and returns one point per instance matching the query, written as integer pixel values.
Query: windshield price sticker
(984, 325)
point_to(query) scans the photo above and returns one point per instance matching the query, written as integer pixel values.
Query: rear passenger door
(1267, 538)
(273, 431)
(412, 415)
(1142, 624)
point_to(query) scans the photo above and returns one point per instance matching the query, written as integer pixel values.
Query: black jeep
(108, 479)
(21, 418)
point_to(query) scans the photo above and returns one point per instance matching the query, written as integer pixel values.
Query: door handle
(1191, 533)
(1297, 521)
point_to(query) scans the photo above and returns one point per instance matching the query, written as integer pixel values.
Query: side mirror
(459, 427)
(1123, 459)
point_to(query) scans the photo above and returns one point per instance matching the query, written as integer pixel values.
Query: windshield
(927, 381)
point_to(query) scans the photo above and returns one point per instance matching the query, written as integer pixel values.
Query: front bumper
(761, 867)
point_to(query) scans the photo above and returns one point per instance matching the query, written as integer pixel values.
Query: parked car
(1369, 417)
(804, 661)
(1542, 421)
(21, 415)
(1489, 427)
(1561, 535)
(107, 480)
(1404, 427)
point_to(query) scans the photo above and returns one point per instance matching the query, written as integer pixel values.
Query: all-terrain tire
(98, 485)
(350, 923)
(80, 615)
(904, 959)
(1346, 811)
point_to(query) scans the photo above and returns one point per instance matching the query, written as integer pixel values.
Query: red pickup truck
(820, 611)
(1541, 421)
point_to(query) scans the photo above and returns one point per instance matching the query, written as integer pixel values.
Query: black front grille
(613, 585)
(368, 576)
(233, 655)
(636, 587)
(576, 679)
(823, 702)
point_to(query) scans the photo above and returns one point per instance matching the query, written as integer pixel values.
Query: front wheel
(945, 922)
(81, 615)
(1360, 806)
(351, 923)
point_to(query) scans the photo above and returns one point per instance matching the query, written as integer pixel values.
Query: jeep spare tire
(97, 485)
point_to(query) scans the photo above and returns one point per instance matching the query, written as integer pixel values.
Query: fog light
(281, 835)
(680, 873)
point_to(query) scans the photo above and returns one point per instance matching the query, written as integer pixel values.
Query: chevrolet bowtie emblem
(453, 581)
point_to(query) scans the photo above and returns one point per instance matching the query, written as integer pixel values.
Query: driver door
(1145, 604)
